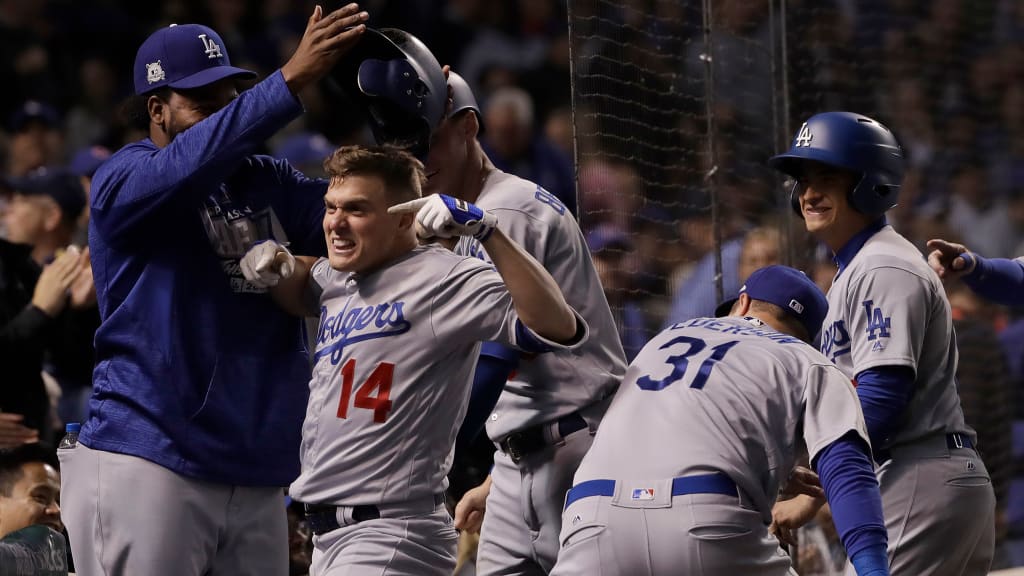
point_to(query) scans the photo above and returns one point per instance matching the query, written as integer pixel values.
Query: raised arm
(538, 301)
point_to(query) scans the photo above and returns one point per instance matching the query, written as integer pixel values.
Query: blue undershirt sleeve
(998, 279)
(492, 370)
(884, 394)
(848, 478)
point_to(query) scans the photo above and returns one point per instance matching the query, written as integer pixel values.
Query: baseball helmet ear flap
(398, 83)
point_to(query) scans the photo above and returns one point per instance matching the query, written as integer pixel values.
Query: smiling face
(823, 192)
(361, 235)
(32, 500)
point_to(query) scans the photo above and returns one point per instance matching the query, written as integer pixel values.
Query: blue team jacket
(197, 370)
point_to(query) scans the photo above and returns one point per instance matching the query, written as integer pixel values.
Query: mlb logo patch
(643, 494)
(796, 306)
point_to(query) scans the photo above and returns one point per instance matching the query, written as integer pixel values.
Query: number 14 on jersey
(379, 381)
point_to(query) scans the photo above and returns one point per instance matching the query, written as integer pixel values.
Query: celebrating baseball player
(889, 328)
(737, 396)
(400, 331)
(200, 382)
(1000, 280)
(547, 413)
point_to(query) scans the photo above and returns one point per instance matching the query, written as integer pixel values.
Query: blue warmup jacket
(197, 370)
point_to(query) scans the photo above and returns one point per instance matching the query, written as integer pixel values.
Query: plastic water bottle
(70, 439)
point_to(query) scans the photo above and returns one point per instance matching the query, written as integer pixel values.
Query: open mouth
(342, 245)
(816, 210)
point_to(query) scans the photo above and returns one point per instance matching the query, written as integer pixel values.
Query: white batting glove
(443, 216)
(266, 263)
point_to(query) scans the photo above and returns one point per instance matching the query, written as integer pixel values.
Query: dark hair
(401, 172)
(135, 109)
(12, 459)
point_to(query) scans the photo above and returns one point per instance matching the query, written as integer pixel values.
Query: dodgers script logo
(835, 340)
(358, 324)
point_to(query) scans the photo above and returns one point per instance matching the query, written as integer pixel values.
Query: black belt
(954, 441)
(521, 444)
(323, 518)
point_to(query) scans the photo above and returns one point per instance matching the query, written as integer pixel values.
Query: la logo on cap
(212, 49)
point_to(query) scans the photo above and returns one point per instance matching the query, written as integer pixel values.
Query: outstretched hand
(950, 260)
(267, 263)
(444, 217)
(326, 40)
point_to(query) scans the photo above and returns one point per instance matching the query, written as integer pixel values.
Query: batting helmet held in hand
(463, 99)
(400, 84)
(852, 142)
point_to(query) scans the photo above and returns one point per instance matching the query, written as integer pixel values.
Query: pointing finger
(410, 207)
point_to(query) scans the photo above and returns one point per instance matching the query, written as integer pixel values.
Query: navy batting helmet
(463, 99)
(852, 142)
(399, 82)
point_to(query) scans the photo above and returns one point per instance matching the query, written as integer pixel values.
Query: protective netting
(679, 103)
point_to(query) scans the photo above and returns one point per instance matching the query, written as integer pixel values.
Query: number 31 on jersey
(681, 362)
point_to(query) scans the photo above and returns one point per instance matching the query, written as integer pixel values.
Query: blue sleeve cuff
(871, 562)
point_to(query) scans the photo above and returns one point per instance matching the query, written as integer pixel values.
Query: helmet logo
(803, 138)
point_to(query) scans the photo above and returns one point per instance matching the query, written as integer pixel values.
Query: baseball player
(1000, 280)
(738, 396)
(400, 331)
(547, 413)
(199, 386)
(889, 328)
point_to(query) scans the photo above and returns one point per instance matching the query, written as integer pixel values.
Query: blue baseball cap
(789, 289)
(34, 111)
(183, 57)
(304, 148)
(87, 160)
(57, 183)
(608, 237)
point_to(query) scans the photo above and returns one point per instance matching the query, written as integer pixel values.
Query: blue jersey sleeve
(998, 279)
(884, 394)
(141, 180)
(301, 209)
(852, 490)
(492, 370)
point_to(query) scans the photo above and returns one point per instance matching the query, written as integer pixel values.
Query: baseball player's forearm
(851, 487)
(1000, 280)
(536, 296)
(290, 293)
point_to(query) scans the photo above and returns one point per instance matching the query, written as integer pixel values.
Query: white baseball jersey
(395, 355)
(723, 395)
(552, 385)
(888, 308)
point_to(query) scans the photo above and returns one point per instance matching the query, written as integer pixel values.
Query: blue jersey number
(680, 362)
(550, 199)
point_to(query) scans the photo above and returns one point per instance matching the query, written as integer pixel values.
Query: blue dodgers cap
(87, 160)
(57, 183)
(789, 289)
(34, 111)
(183, 57)
(608, 237)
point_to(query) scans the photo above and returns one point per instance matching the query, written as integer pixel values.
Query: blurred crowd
(625, 130)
